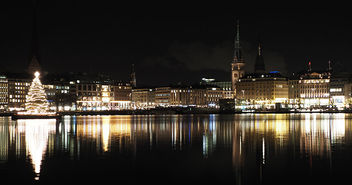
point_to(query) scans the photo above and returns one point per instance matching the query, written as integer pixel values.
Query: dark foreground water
(178, 149)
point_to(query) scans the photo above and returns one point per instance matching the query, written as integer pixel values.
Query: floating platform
(35, 116)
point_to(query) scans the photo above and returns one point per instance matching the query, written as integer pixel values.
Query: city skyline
(163, 47)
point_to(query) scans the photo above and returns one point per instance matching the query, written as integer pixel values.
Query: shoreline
(170, 111)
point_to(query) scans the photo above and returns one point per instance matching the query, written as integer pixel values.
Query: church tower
(34, 64)
(259, 66)
(133, 79)
(238, 64)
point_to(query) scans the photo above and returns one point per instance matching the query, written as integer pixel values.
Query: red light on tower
(310, 66)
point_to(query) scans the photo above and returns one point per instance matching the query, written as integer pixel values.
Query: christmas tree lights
(36, 101)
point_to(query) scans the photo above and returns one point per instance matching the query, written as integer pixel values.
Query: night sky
(167, 47)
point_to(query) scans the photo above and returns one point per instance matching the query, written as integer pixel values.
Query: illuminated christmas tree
(36, 102)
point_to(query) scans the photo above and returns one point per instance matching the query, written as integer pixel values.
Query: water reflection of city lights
(309, 136)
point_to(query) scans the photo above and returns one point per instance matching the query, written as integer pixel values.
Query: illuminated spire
(309, 66)
(238, 53)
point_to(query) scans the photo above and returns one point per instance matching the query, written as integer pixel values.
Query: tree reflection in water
(36, 134)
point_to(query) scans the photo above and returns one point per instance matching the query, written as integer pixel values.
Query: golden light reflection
(103, 128)
(315, 133)
(106, 132)
(310, 136)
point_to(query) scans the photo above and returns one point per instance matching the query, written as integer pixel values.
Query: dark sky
(168, 47)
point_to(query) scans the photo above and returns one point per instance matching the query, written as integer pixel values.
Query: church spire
(34, 64)
(259, 63)
(309, 66)
(133, 79)
(329, 66)
(238, 64)
(238, 53)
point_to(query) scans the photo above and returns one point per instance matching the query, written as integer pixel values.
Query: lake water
(177, 149)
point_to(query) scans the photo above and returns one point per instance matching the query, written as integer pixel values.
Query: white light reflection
(263, 151)
(106, 132)
(37, 134)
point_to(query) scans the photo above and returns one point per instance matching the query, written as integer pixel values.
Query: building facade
(143, 98)
(162, 96)
(263, 89)
(122, 96)
(3, 92)
(17, 92)
(314, 89)
(226, 87)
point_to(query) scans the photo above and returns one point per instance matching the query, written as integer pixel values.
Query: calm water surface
(174, 149)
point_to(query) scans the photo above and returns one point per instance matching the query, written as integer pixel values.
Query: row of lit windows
(20, 92)
(89, 94)
(62, 87)
(88, 87)
(162, 95)
(121, 87)
(315, 81)
(17, 100)
(21, 88)
(17, 96)
(22, 84)
(336, 90)
(215, 96)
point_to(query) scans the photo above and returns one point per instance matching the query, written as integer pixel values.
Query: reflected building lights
(312, 136)
(106, 132)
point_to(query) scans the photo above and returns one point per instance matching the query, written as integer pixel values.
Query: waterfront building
(3, 92)
(226, 87)
(340, 90)
(294, 92)
(122, 96)
(94, 96)
(18, 86)
(238, 64)
(188, 96)
(184, 97)
(59, 96)
(122, 91)
(263, 90)
(214, 95)
(143, 98)
(162, 96)
(87, 92)
(314, 88)
(202, 96)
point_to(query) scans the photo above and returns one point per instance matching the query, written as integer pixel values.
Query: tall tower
(34, 64)
(238, 64)
(133, 80)
(259, 62)
(329, 66)
(309, 66)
